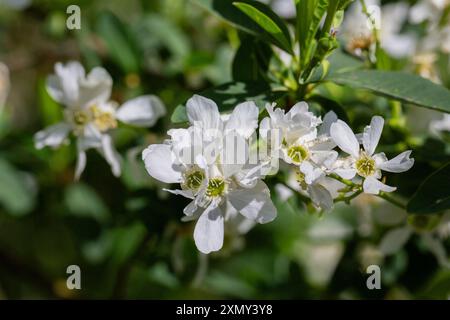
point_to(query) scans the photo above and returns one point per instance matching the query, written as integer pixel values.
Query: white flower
(389, 19)
(90, 115)
(293, 136)
(363, 161)
(439, 126)
(438, 30)
(296, 138)
(428, 10)
(219, 185)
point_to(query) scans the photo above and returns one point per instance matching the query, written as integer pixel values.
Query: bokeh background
(126, 234)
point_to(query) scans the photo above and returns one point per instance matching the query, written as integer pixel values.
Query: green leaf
(17, 193)
(228, 95)
(230, 12)
(400, 86)
(51, 111)
(251, 60)
(309, 15)
(433, 195)
(83, 201)
(271, 24)
(337, 62)
(119, 42)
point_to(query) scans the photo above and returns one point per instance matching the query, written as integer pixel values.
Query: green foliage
(309, 15)
(433, 195)
(398, 85)
(82, 201)
(253, 17)
(17, 194)
(119, 41)
(126, 233)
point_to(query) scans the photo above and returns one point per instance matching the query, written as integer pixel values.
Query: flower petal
(345, 173)
(344, 137)
(95, 88)
(185, 193)
(254, 203)
(111, 155)
(209, 230)
(142, 111)
(81, 163)
(372, 134)
(243, 119)
(329, 118)
(400, 163)
(203, 112)
(321, 196)
(52, 136)
(63, 86)
(234, 154)
(374, 186)
(158, 160)
(311, 173)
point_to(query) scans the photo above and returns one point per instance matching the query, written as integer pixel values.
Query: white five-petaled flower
(364, 162)
(209, 172)
(89, 114)
(301, 139)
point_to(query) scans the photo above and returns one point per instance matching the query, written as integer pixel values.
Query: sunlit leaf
(231, 13)
(273, 25)
(397, 85)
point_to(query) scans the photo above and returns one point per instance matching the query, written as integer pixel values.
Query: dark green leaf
(239, 19)
(397, 85)
(251, 61)
(267, 20)
(433, 195)
(228, 95)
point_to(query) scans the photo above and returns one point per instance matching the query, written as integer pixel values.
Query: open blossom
(302, 140)
(207, 168)
(363, 162)
(389, 20)
(90, 115)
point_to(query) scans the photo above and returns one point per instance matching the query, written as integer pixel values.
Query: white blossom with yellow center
(219, 187)
(90, 115)
(363, 162)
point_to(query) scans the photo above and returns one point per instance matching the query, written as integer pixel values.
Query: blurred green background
(126, 234)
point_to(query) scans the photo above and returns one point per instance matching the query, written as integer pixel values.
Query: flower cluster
(90, 115)
(215, 162)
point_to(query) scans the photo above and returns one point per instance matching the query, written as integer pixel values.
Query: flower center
(297, 153)
(216, 187)
(194, 179)
(80, 117)
(103, 120)
(365, 165)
